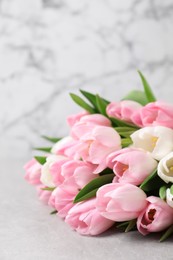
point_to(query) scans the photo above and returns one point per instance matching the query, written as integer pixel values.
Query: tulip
(44, 195)
(67, 146)
(59, 147)
(157, 140)
(169, 197)
(83, 128)
(92, 147)
(157, 216)
(73, 119)
(92, 140)
(131, 165)
(86, 220)
(33, 172)
(123, 110)
(120, 202)
(102, 142)
(154, 114)
(165, 168)
(81, 171)
(46, 176)
(62, 200)
(75, 174)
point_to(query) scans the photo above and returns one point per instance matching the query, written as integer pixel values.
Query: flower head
(86, 219)
(165, 168)
(120, 202)
(157, 140)
(156, 217)
(131, 165)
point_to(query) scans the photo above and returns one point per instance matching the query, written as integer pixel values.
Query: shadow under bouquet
(114, 168)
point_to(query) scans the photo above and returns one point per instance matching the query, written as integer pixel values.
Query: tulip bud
(46, 177)
(131, 165)
(165, 168)
(33, 172)
(157, 140)
(86, 219)
(120, 202)
(156, 217)
(60, 145)
(123, 110)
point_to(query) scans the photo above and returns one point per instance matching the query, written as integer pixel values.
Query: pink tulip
(99, 143)
(76, 174)
(82, 126)
(131, 165)
(93, 147)
(120, 202)
(154, 114)
(157, 216)
(70, 148)
(73, 119)
(55, 170)
(123, 110)
(86, 220)
(62, 200)
(44, 195)
(81, 171)
(51, 170)
(104, 140)
(86, 124)
(61, 146)
(33, 172)
(93, 139)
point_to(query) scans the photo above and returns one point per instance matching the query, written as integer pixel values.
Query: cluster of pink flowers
(138, 155)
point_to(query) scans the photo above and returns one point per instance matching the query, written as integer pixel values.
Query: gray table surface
(28, 231)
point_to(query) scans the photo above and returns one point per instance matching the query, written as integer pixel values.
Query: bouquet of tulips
(114, 168)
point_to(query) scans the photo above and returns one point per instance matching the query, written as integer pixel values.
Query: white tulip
(46, 177)
(169, 198)
(60, 144)
(165, 168)
(158, 140)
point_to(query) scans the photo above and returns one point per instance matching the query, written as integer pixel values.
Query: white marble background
(51, 47)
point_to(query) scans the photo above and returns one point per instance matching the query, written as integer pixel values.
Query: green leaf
(40, 159)
(43, 149)
(92, 98)
(118, 122)
(87, 196)
(162, 192)
(106, 171)
(79, 101)
(131, 225)
(49, 188)
(167, 234)
(126, 134)
(125, 129)
(101, 104)
(150, 177)
(53, 212)
(152, 182)
(171, 189)
(91, 188)
(148, 91)
(51, 139)
(125, 142)
(137, 96)
(123, 224)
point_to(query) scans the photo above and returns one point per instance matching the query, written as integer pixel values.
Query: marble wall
(51, 47)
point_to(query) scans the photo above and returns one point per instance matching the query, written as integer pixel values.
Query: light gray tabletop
(28, 231)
